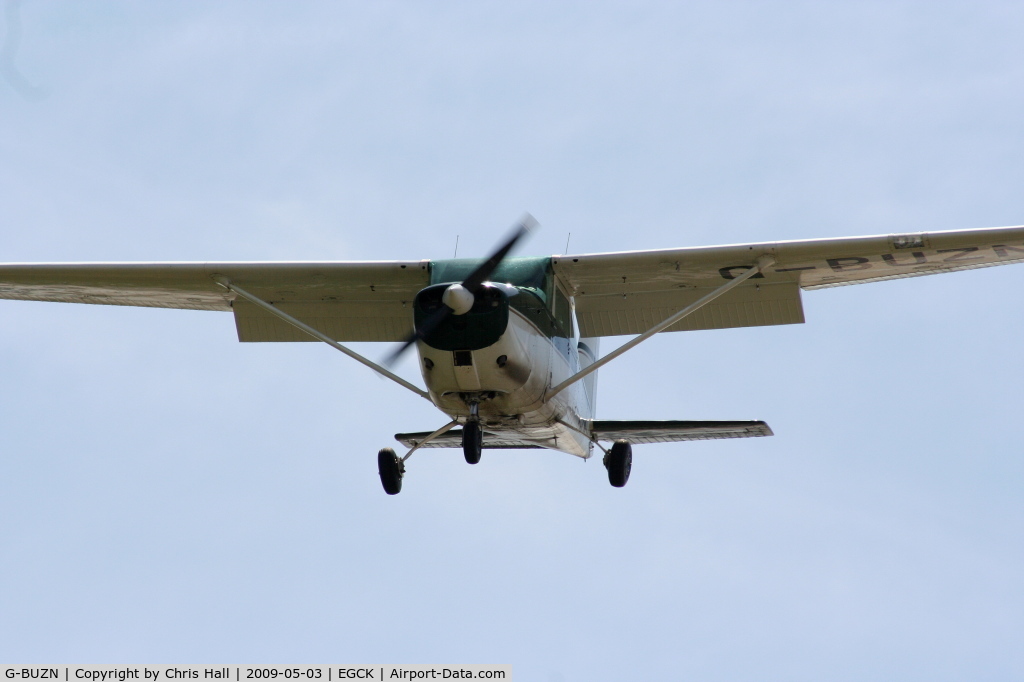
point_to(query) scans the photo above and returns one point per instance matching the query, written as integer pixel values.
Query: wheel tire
(620, 462)
(472, 442)
(391, 469)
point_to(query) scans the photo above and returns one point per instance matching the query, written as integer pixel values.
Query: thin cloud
(12, 15)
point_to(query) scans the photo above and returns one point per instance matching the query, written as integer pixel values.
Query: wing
(349, 301)
(673, 431)
(630, 292)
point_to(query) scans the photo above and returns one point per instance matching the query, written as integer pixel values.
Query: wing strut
(762, 263)
(224, 282)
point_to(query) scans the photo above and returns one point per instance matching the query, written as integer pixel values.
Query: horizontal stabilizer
(673, 431)
(453, 439)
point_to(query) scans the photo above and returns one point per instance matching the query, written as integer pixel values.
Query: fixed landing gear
(619, 461)
(472, 442)
(391, 469)
(472, 436)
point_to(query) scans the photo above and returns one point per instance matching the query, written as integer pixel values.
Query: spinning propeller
(458, 298)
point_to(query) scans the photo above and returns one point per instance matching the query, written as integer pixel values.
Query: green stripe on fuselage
(533, 275)
(534, 272)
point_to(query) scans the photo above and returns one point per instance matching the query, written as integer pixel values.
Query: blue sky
(168, 494)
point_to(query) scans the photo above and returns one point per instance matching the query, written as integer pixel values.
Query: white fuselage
(511, 380)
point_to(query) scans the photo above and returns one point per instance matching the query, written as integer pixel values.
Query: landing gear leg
(391, 469)
(619, 461)
(472, 437)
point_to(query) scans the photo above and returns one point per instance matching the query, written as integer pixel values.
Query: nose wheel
(472, 441)
(472, 436)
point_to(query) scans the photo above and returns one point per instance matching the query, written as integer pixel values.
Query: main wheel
(391, 469)
(619, 463)
(472, 442)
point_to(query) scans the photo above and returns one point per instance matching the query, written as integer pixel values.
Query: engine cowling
(479, 326)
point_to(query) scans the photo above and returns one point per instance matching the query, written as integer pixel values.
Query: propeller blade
(487, 268)
(428, 326)
(393, 356)
(471, 283)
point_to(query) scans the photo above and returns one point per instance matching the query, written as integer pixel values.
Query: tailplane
(674, 431)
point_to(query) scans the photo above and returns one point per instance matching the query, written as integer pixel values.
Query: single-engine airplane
(508, 347)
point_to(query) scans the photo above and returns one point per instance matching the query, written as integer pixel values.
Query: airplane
(509, 347)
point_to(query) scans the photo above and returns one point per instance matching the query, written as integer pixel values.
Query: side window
(562, 311)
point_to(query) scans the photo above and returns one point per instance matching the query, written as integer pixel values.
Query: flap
(341, 320)
(634, 313)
